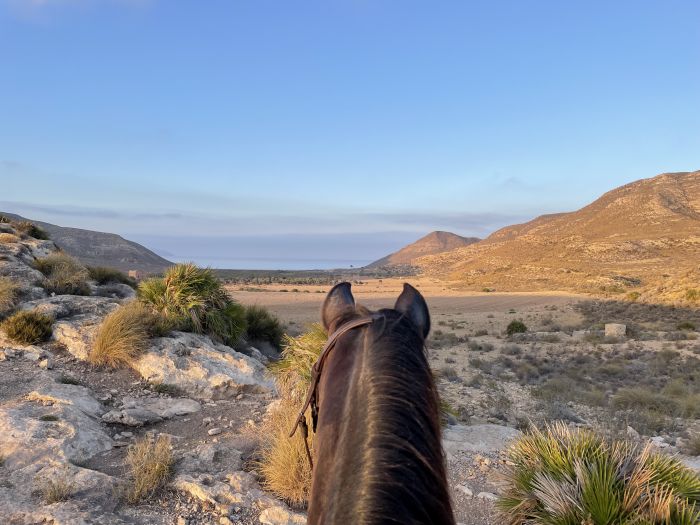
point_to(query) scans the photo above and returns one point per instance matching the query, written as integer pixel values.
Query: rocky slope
(642, 237)
(432, 244)
(65, 422)
(102, 249)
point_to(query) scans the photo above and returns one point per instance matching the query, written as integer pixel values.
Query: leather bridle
(312, 394)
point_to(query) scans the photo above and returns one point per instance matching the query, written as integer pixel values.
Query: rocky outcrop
(202, 368)
(142, 411)
(477, 438)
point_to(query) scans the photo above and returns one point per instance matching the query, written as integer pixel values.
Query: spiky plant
(63, 274)
(28, 327)
(261, 325)
(193, 299)
(571, 477)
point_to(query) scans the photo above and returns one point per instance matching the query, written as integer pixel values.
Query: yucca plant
(193, 299)
(562, 476)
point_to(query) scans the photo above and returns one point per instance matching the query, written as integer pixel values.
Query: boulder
(477, 438)
(62, 306)
(139, 412)
(202, 368)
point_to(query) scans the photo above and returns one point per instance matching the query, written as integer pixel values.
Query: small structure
(136, 274)
(615, 330)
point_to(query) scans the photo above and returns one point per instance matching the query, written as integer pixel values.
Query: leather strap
(316, 376)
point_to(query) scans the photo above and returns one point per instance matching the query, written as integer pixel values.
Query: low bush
(122, 336)
(283, 463)
(686, 325)
(63, 275)
(193, 299)
(8, 294)
(261, 325)
(150, 465)
(104, 275)
(516, 327)
(564, 476)
(8, 238)
(28, 327)
(31, 229)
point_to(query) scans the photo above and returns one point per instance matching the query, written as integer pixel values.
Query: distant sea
(224, 263)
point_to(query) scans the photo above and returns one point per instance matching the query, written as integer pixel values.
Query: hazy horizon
(335, 131)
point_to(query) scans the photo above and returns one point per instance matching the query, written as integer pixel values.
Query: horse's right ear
(411, 304)
(339, 302)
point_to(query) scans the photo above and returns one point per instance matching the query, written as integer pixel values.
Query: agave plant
(572, 477)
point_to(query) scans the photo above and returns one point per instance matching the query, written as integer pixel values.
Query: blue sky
(228, 130)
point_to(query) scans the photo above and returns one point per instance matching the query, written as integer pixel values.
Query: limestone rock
(279, 515)
(477, 438)
(140, 412)
(202, 368)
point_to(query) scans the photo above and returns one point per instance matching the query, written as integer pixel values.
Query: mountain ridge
(433, 243)
(95, 248)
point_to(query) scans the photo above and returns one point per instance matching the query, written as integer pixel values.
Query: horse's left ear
(339, 302)
(412, 305)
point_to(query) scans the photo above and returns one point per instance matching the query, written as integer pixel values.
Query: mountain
(433, 243)
(102, 249)
(642, 237)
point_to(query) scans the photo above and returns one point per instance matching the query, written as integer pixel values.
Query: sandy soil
(299, 305)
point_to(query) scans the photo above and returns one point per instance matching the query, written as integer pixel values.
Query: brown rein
(311, 396)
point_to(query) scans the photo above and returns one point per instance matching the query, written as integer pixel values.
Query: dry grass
(8, 294)
(63, 275)
(8, 238)
(122, 336)
(28, 328)
(150, 465)
(283, 462)
(57, 489)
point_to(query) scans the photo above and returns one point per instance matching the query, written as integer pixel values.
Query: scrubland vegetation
(562, 476)
(63, 274)
(27, 327)
(8, 294)
(104, 275)
(283, 462)
(150, 465)
(123, 335)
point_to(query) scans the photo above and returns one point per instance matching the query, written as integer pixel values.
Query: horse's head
(339, 307)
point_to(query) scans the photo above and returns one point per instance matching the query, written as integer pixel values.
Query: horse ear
(339, 302)
(412, 305)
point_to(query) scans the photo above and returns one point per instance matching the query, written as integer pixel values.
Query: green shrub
(104, 275)
(194, 300)
(565, 477)
(31, 229)
(8, 294)
(28, 327)
(63, 275)
(261, 325)
(692, 294)
(686, 325)
(516, 327)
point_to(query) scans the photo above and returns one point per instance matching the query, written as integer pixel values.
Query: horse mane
(397, 471)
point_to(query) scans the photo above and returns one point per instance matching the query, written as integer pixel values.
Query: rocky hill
(640, 239)
(432, 244)
(102, 249)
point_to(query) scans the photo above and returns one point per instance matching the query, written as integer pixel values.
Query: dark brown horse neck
(378, 451)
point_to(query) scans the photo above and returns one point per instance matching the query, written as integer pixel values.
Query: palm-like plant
(572, 477)
(193, 299)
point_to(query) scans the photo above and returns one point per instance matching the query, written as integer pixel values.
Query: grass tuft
(562, 476)
(150, 465)
(63, 275)
(31, 229)
(283, 463)
(104, 275)
(9, 291)
(122, 336)
(8, 238)
(28, 327)
(516, 327)
(57, 489)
